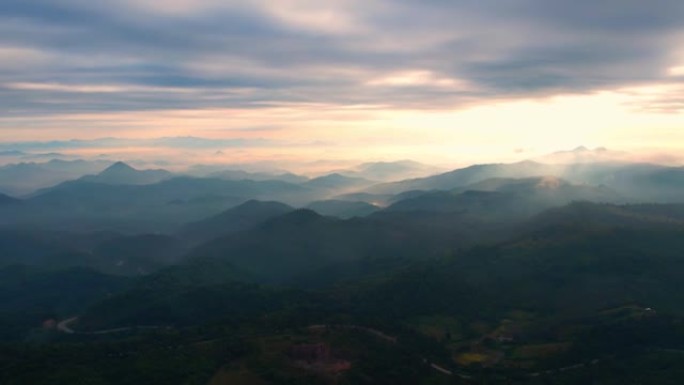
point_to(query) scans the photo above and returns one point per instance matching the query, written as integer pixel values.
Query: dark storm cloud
(69, 56)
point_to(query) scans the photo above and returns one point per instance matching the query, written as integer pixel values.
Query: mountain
(546, 188)
(195, 294)
(337, 183)
(391, 171)
(158, 207)
(572, 280)
(562, 307)
(242, 217)
(505, 198)
(258, 176)
(136, 255)
(175, 190)
(576, 216)
(30, 297)
(583, 154)
(572, 294)
(11, 153)
(538, 301)
(465, 176)
(342, 209)
(121, 173)
(374, 199)
(303, 241)
(638, 182)
(24, 178)
(32, 247)
(108, 253)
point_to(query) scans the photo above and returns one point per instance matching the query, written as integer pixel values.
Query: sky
(439, 81)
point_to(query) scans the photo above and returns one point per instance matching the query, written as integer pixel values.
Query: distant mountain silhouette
(342, 208)
(337, 182)
(465, 176)
(505, 197)
(583, 154)
(24, 178)
(258, 176)
(374, 199)
(242, 217)
(391, 171)
(154, 207)
(122, 173)
(639, 182)
(11, 153)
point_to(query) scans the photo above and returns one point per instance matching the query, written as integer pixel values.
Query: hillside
(391, 171)
(466, 176)
(538, 301)
(505, 198)
(242, 217)
(338, 183)
(158, 207)
(342, 209)
(8, 200)
(31, 296)
(21, 179)
(637, 182)
(293, 244)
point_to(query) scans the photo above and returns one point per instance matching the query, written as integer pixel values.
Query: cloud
(186, 143)
(75, 56)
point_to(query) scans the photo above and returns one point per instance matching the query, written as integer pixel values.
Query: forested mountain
(505, 198)
(342, 208)
(242, 217)
(501, 279)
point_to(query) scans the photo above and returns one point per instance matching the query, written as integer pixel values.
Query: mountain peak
(119, 167)
(254, 206)
(122, 173)
(334, 175)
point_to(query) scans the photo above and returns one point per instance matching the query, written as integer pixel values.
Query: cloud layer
(76, 56)
(293, 71)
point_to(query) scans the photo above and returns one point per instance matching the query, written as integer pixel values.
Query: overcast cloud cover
(67, 57)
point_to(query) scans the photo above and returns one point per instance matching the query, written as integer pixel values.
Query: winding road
(65, 327)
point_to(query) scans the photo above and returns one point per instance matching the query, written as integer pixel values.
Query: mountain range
(24, 178)
(633, 181)
(501, 273)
